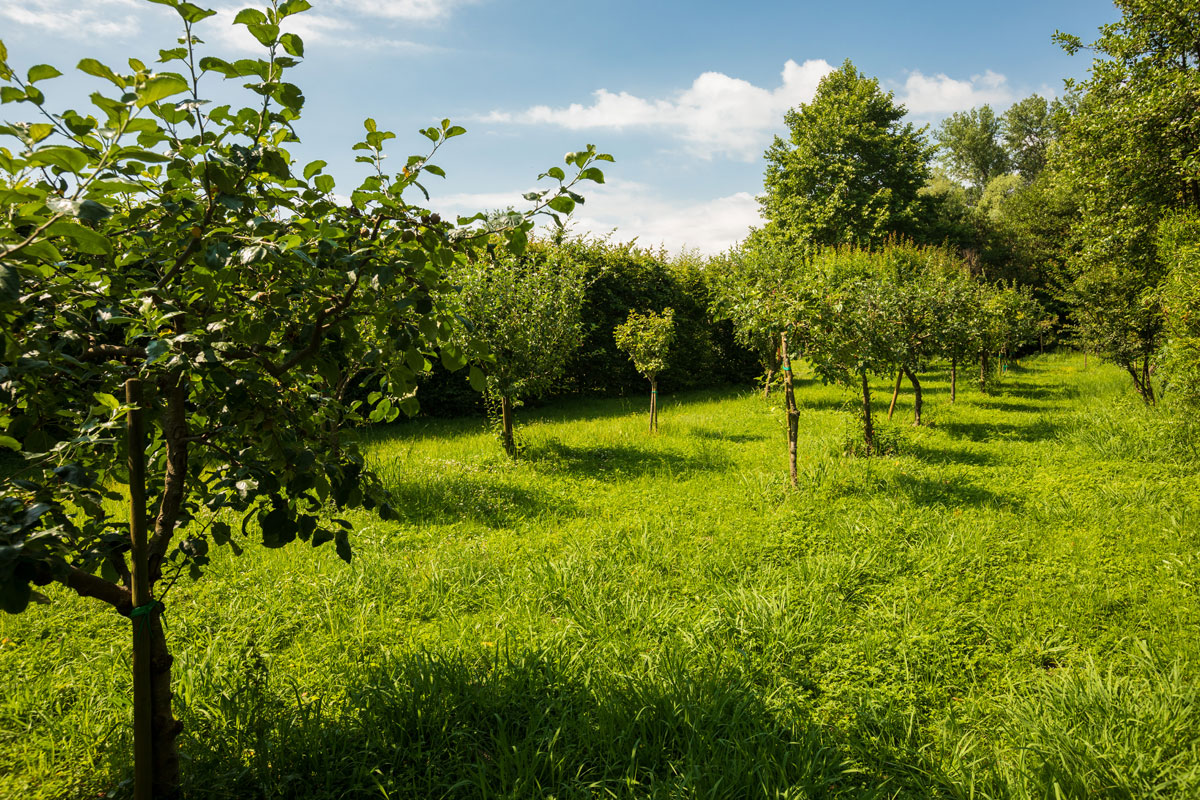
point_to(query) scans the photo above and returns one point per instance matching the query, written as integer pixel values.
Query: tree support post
(793, 413)
(143, 702)
(653, 405)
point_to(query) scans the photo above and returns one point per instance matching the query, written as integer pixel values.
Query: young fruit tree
(647, 339)
(755, 288)
(524, 311)
(166, 262)
(847, 331)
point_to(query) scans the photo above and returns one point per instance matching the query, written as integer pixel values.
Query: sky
(685, 96)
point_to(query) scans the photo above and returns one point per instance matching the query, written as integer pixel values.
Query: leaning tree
(167, 262)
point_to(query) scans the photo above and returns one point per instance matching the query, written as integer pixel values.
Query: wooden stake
(143, 704)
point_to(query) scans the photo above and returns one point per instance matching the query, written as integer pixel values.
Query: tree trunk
(916, 384)
(506, 421)
(767, 384)
(793, 413)
(1142, 382)
(895, 392)
(868, 427)
(953, 379)
(653, 404)
(983, 371)
(163, 724)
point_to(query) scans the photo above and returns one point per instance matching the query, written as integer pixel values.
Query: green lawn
(1007, 608)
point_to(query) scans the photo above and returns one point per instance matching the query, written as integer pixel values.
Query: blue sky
(686, 96)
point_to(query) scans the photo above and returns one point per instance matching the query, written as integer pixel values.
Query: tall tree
(1129, 153)
(1027, 128)
(969, 148)
(849, 171)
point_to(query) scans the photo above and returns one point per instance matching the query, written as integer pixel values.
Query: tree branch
(85, 584)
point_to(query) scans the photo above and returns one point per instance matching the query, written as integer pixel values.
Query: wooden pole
(895, 393)
(143, 704)
(793, 413)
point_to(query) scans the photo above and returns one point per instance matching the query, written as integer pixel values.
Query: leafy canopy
(647, 339)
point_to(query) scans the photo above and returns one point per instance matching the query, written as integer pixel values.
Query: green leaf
(278, 528)
(192, 13)
(10, 284)
(313, 167)
(14, 595)
(293, 7)
(67, 158)
(477, 379)
(341, 543)
(93, 67)
(86, 239)
(293, 44)
(10, 443)
(324, 183)
(556, 173)
(250, 16)
(159, 87)
(456, 130)
(41, 72)
(266, 33)
(592, 174)
(562, 204)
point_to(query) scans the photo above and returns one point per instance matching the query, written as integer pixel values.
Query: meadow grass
(1006, 608)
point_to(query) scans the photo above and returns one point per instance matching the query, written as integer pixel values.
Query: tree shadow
(952, 493)
(530, 724)
(1039, 430)
(724, 436)
(448, 498)
(947, 455)
(617, 462)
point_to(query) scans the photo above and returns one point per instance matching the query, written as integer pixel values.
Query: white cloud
(406, 10)
(940, 94)
(112, 19)
(635, 210)
(716, 115)
(313, 28)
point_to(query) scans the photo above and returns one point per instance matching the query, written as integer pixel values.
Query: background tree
(176, 246)
(647, 339)
(1027, 129)
(524, 310)
(1179, 248)
(849, 171)
(1128, 154)
(969, 148)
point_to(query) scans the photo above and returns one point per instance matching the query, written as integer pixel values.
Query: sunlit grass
(1007, 605)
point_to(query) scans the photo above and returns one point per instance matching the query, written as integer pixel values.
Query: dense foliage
(647, 338)
(1179, 249)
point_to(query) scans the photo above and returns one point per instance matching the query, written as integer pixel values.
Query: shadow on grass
(946, 455)
(617, 462)
(1038, 430)
(953, 494)
(531, 724)
(451, 498)
(723, 436)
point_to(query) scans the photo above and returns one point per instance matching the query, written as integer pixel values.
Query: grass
(1006, 608)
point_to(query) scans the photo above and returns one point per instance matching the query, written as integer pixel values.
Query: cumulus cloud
(406, 10)
(926, 95)
(716, 115)
(635, 210)
(113, 19)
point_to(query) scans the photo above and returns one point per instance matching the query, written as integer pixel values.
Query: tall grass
(1005, 607)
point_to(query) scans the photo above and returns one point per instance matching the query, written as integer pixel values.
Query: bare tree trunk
(767, 383)
(506, 427)
(983, 371)
(953, 379)
(793, 413)
(868, 426)
(917, 399)
(895, 392)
